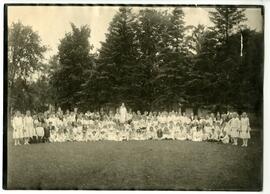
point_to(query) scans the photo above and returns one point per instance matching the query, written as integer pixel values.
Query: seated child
(151, 133)
(224, 137)
(205, 136)
(197, 135)
(62, 137)
(53, 136)
(95, 136)
(88, 134)
(213, 136)
(117, 136)
(166, 133)
(79, 132)
(111, 132)
(193, 128)
(84, 132)
(182, 134)
(208, 129)
(102, 135)
(74, 133)
(137, 134)
(189, 133)
(159, 132)
(143, 135)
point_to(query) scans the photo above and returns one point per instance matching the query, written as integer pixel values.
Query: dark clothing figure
(159, 133)
(47, 133)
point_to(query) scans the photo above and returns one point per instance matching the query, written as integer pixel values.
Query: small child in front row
(183, 133)
(225, 137)
(197, 135)
(159, 133)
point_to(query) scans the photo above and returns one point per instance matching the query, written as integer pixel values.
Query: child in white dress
(245, 129)
(225, 137)
(17, 125)
(94, 136)
(235, 128)
(29, 129)
(197, 135)
(150, 133)
(182, 134)
(166, 133)
(208, 130)
(39, 130)
(176, 131)
(189, 133)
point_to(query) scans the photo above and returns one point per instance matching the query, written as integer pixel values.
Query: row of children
(73, 126)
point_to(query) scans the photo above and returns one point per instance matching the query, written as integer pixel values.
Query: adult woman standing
(123, 114)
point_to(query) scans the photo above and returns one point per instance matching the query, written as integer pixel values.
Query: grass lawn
(173, 165)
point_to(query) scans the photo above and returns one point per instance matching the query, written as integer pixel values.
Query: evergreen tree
(249, 77)
(219, 59)
(74, 61)
(119, 72)
(169, 78)
(202, 49)
(195, 39)
(226, 21)
(152, 38)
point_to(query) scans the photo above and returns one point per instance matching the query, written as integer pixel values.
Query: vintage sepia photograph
(133, 97)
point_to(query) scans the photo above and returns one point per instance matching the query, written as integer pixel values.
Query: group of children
(96, 126)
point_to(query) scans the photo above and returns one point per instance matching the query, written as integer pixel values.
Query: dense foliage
(151, 61)
(25, 58)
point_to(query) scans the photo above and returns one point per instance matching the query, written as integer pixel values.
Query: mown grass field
(143, 165)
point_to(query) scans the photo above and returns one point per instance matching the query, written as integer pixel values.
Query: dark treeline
(150, 60)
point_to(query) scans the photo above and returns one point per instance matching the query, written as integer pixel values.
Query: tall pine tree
(119, 71)
(170, 71)
(74, 61)
(219, 60)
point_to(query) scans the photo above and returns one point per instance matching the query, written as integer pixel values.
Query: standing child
(17, 125)
(235, 128)
(47, 132)
(29, 129)
(39, 130)
(245, 129)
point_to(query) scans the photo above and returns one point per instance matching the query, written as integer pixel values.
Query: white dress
(39, 129)
(245, 129)
(182, 135)
(29, 130)
(225, 139)
(235, 127)
(227, 127)
(123, 114)
(197, 136)
(17, 124)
